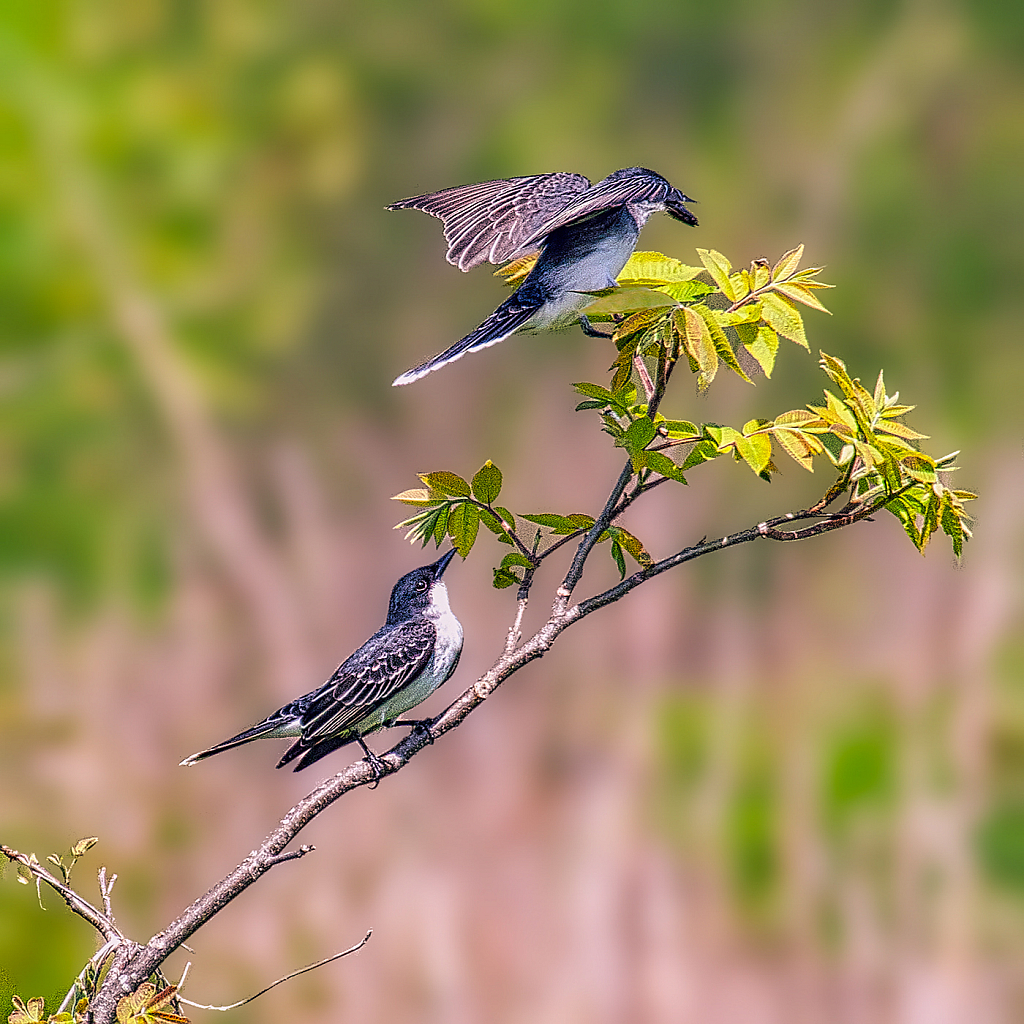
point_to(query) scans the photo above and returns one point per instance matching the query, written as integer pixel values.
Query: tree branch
(143, 961)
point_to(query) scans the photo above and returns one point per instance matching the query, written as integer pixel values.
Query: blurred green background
(785, 783)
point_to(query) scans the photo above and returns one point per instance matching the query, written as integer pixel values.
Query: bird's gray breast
(582, 257)
(447, 648)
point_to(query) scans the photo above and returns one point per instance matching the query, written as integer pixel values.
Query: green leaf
(679, 428)
(755, 451)
(664, 465)
(784, 318)
(561, 524)
(722, 346)
(487, 483)
(503, 578)
(463, 524)
(703, 451)
(718, 267)
(603, 395)
(640, 433)
(640, 321)
(762, 343)
(516, 558)
(440, 525)
(617, 558)
(952, 524)
(634, 546)
(446, 483)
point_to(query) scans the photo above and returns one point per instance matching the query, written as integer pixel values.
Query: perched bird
(585, 234)
(408, 658)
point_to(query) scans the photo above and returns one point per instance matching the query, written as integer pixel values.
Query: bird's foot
(376, 763)
(419, 725)
(590, 331)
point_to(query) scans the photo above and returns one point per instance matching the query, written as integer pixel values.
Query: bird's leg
(376, 764)
(589, 330)
(418, 725)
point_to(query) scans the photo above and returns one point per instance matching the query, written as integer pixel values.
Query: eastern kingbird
(585, 234)
(408, 658)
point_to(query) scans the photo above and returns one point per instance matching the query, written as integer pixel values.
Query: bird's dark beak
(674, 208)
(442, 563)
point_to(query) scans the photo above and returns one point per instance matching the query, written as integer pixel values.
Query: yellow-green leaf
(762, 343)
(721, 342)
(718, 267)
(801, 293)
(447, 483)
(797, 446)
(700, 346)
(755, 451)
(787, 264)
(638, 321)
(517, 270)
(418, 496)
(885, 426)
(655, 267)
(784, 318)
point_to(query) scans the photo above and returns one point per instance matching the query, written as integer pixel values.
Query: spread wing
(605, 195)
(489, 221)
(389, 660)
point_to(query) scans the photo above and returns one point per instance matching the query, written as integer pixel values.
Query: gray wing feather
(604, 195)
(381, 667)
(489, 221)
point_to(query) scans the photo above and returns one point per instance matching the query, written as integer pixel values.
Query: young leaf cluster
(663, 313)
(454, 508)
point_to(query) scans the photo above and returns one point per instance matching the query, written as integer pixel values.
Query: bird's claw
(421, 725)
(375, 761)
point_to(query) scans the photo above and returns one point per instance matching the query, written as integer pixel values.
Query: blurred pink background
(784, 783)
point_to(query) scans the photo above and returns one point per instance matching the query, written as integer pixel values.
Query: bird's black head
(417, 591)
(674, 199)
(636, 172)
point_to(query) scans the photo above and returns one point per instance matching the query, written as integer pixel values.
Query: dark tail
(312, 754)
(505, 320)
(255, 733)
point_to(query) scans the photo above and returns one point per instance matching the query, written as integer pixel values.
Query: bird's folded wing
(603, 196)
(489, 221)
(369, 678)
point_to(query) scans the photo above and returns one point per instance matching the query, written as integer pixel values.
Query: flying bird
(585, 234)
(409, 657)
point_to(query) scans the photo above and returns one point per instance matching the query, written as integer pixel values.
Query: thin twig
(280, 981)
(515, 632)
(95, 960)
(280, 858)
(105, 889)
(645, 377)
(82, 907)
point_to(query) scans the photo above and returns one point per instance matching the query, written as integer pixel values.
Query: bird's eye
(421, 586)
